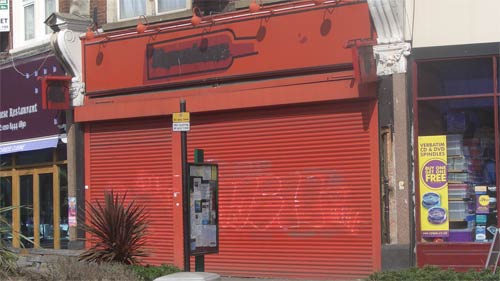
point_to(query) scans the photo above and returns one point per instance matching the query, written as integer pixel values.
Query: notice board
(203, 208)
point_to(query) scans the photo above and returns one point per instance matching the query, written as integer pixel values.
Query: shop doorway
(39, 195)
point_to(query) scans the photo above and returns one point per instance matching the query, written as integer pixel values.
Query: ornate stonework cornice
(392, 50)
(391, 58)
(68, 48)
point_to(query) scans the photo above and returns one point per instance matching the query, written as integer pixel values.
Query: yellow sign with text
(180, 117)
(432, 162)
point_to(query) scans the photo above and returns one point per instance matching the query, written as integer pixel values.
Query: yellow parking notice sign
(180, 117)
(180, 122)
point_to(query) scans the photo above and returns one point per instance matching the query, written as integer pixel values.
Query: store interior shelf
(460, 199)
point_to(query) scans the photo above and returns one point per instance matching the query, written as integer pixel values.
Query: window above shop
(50, 7)
(170, 6)
(126, 12)
(28, 28)
(131, 9)
(29, 21)
(127, 9)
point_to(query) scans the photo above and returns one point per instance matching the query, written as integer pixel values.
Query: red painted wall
(459, 256)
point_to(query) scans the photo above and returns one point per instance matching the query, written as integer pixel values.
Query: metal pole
(185, 194)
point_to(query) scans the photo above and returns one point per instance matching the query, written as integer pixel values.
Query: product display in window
(469, 200)
(471, 179)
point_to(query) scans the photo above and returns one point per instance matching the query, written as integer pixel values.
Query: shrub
(149, 273)
(8, 264)
(8, 258)
(434, 273)
(69, 269)
(117, 231)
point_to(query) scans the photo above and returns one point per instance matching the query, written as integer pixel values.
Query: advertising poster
(4, 16)
(432, 161)
(72, 211)
(203, 211)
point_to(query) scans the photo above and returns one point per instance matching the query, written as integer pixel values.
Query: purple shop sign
(24, 125)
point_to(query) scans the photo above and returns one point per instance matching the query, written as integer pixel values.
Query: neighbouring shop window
(498, 72)
(6, 201)
(42, 191)
(46, 210)
(131, 9)
(61, 152)
(5, 160)
(457, 151)
(449, 78)
(63, 205)
(26, 203)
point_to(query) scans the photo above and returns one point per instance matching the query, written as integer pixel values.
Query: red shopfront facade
(274, 102)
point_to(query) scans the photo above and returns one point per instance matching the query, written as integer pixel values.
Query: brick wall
(100, 7)
(64, 6)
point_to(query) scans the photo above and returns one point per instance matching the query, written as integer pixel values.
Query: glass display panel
(63, 193)
(5, 160)
(61, 152)
(46, 211)
(26, 202)
(469, 207)
(498, 73)
(6, 201)
(34, 157)
(455, 77)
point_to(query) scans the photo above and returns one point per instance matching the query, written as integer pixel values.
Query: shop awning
(28, 144)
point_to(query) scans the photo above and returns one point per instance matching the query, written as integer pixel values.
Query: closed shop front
(295, 140)
(298, 186)
(134, 157)
(297, 192)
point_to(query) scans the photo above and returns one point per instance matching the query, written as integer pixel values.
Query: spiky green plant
(8, 258)
(117, 231)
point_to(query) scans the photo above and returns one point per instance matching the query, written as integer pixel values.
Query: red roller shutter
(298, 190)
(134, 156)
